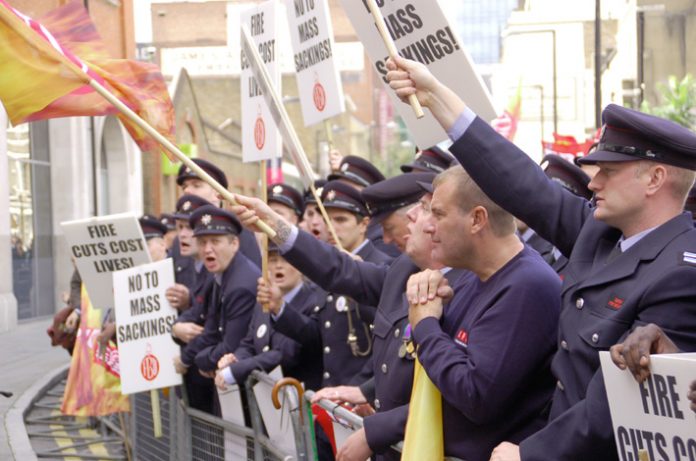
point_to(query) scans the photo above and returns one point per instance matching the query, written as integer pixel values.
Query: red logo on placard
(319, 96)
(259, 133)
(149, 367)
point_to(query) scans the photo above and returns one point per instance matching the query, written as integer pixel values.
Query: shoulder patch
(688, 258)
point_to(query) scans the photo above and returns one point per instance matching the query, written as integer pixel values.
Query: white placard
(421, 32)
(231, 408)
(318, 81)
(654, 415)
(144, 320)
(260, 136)
(103, 245)
(277, 422)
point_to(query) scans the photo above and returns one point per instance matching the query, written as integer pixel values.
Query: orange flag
(94, 382)
(42, 90)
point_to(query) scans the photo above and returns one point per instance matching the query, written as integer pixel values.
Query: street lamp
(554, 63)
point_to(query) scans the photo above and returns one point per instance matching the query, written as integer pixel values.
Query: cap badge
(278, 189)
(320, 190)
(186, 206)
(165, 221)
(331, 195)
(345, 167)
(206, 219)
(418, 154)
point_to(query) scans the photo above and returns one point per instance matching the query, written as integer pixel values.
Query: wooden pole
(393, 52)
(125, 110)
(280, 116)
(156, 414)
(126, 438)
(81, 73)
(264, 237)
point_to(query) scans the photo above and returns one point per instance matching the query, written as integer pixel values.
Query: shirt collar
(445, 270)
(360, 247)
(218, 279)
(627, 243)
(290, 295)
(527, 234)
(198, 266)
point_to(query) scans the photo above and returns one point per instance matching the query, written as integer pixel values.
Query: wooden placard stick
(282, 120)
(264, 237)
(391, 49)
(156, 414)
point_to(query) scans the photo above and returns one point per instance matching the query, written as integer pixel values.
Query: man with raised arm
(632, 253)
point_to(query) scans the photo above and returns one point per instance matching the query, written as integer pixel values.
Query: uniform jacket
(489, 355)
(227, 323)
(327, 328)
(602, 301)
(264, 348)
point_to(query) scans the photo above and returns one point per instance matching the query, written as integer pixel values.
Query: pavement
(27, 364)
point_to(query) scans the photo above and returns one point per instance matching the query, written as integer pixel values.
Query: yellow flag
(424, 438)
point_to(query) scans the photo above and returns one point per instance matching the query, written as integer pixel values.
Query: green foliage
(678, 101)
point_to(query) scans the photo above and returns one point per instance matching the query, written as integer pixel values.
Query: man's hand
(207, 374)
(408, 77)
(426, 286)
(220, 381)
(250, 210)
(355, 448)
(226, 360)
(268, 294)
(72, 322)
(506, 451)
(107, 332)
(364, 410)
(348, 394)
(178, 296)
(634, 352)
(186, 331)
(179, 365)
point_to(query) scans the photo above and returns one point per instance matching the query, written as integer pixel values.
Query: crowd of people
(503, 277)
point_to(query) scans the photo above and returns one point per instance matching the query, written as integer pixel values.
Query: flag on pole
(36, 82)
(506, 123)
(94, 383)
(424, 437)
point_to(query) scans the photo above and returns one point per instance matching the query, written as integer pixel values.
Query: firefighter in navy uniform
(264, 348)
(189, 300)
(232, 297)
(341, 326)
(190, 183)
(360, 174)
(630, 252)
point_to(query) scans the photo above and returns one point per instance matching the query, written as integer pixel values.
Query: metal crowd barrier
(190, 434)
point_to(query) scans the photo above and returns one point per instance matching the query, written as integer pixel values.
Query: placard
(231, 409)
(654, 415)
(144, 320)
(101, 246)
(422, 33)
(260, 136)
(318, 80)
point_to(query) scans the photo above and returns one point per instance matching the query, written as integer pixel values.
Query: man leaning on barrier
(631, 252)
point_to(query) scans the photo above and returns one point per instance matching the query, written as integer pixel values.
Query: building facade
(60, 170)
